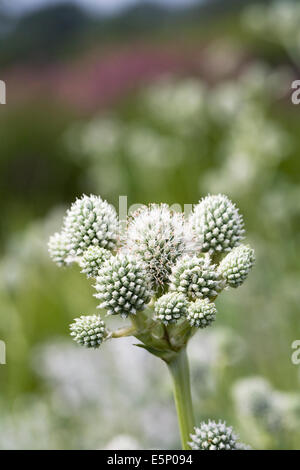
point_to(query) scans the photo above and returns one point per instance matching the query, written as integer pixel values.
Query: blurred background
(160, 101)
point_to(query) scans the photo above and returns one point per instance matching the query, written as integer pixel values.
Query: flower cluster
(173, 266)
(215, 436)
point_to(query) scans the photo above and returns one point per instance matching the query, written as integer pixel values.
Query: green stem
(179, 370)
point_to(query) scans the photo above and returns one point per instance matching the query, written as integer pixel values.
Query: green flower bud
(89, 331)
(201, 313)
(170, 307)
(123, 286)
(91, 222)
(218, 224)
(92, 259)
(196, 278)
(235, 267)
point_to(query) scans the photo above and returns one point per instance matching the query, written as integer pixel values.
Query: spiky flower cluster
(159, 237)
(59, 248)
(89, 331)
(215, 436)
(160, 254)
(195, 277)
(123, 286)
(170, 307)
(201, 313)
(90, 222)
(92, 259)
(235, 267)
(217, 223)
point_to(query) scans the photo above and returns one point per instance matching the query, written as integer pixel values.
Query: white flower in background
(123, 442)
(176, 103)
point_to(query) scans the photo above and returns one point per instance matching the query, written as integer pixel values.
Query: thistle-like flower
(92, 259)
(170, 307)
(91, 222)
(215, 436)
(196, 278)
(159, 237)
(59, 248)
(89, 331)
(235, 267)
(123, 286)
(201, 313)
(216, 220)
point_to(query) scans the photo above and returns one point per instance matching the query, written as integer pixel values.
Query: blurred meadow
(160, 104)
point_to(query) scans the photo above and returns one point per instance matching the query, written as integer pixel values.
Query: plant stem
(179, 370)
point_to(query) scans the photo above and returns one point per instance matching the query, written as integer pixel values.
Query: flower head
(91, 222)
(235, 267)
(216, 220)
(159, 237)
(89, 331)
(195, 277)
(92, 259)
(123, 286)
(215, 436)
(170, 307)
(201, 313)
(59, 248)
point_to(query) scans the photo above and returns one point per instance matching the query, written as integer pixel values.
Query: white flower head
(215, 436)
(159, 237)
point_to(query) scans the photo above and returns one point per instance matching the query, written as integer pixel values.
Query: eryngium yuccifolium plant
(215, 436)
(159, 237)
(59, 248)
(123, 286)
(92, 259)
(91, 222)
(89, 331)
(196, 278)
(201, 313)
(235, 267)
(217, 223)
(170, 307)
(162, 277)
